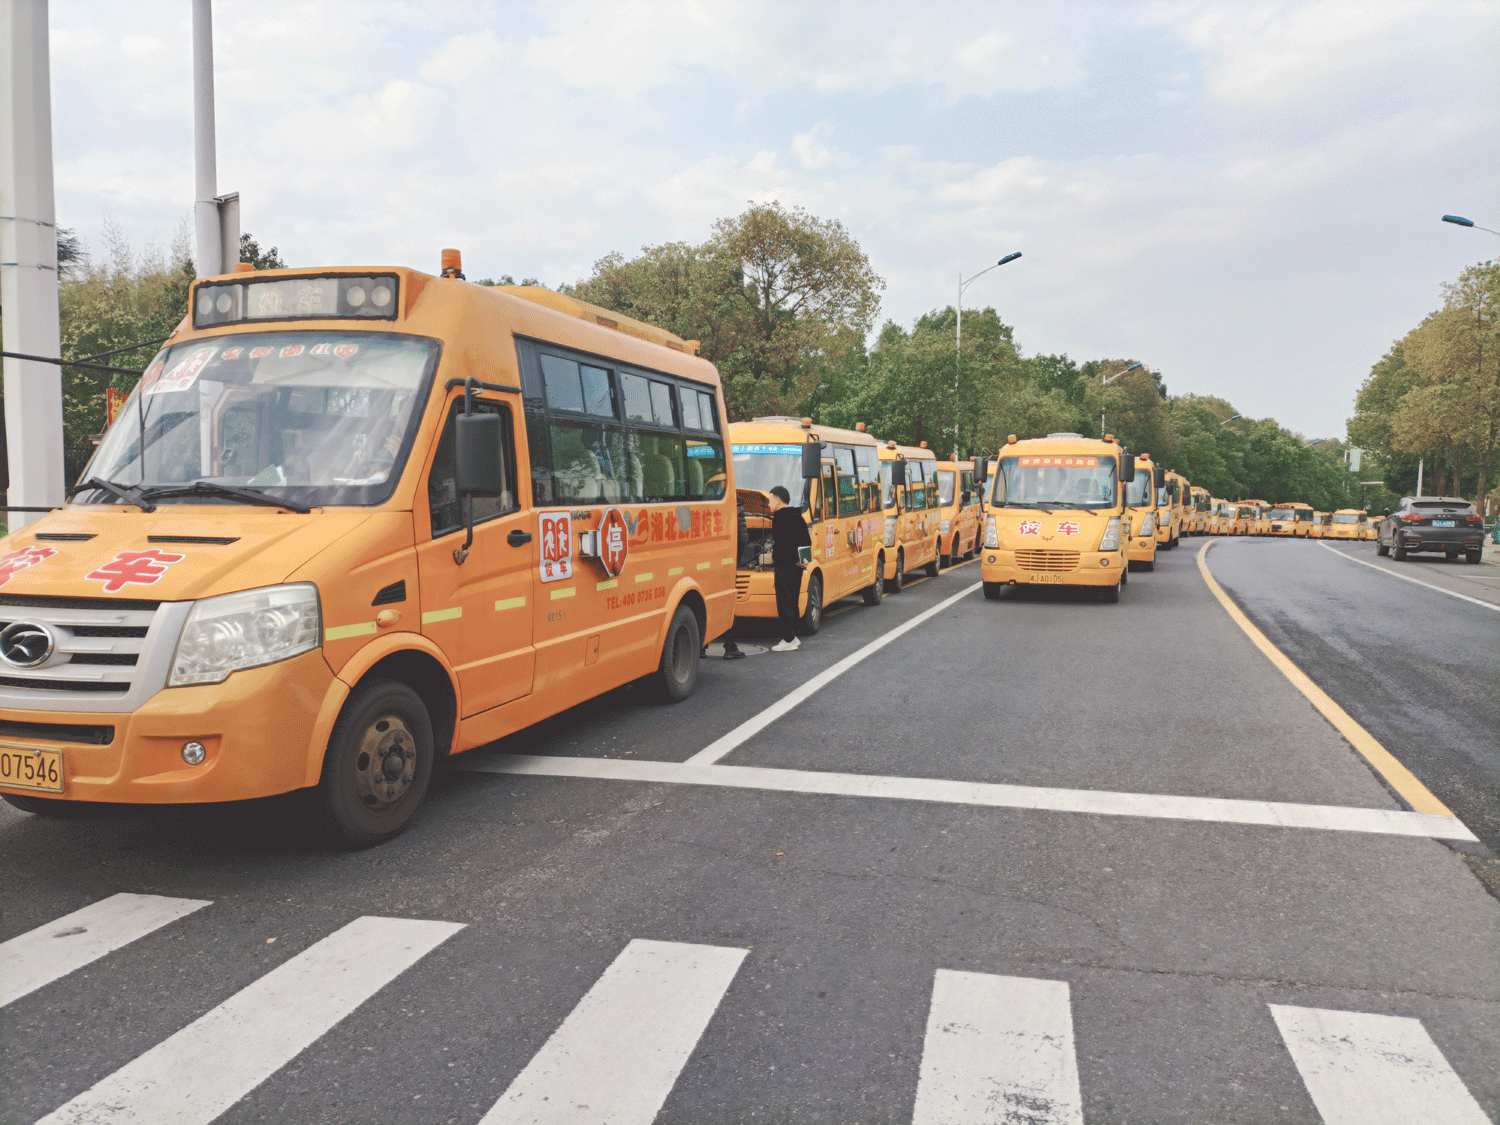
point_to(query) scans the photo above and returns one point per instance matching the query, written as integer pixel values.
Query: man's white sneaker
(787, 646)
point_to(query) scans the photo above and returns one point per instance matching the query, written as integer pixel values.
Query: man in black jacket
(788, 532)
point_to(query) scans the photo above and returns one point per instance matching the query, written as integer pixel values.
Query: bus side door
(479, 612)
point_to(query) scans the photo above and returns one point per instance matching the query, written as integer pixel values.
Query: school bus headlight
(1148, 526)
(890, 531)
(1111, 540)
(991, 536)
(947, 526)
(245, 630)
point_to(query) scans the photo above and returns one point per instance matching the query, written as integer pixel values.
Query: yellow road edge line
(510, 603)
(343, 632)
(1401, 779)
(443, 615)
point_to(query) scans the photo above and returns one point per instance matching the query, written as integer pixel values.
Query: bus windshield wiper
(1020, 504)
(128, 493)
(248, 495)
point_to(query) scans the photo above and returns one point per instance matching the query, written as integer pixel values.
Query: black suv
(1431, 523)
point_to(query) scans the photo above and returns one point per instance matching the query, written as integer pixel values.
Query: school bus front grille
(1054, 561)
(741, 587)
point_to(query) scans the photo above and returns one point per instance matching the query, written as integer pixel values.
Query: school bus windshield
(763, 467)
(318, 418)
(1138, 492)
(1352, 517)
(1070, 482)
(945, 482)
(1283, 513)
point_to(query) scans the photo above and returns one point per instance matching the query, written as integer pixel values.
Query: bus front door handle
(518, 538)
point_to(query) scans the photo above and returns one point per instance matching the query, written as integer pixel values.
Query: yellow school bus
(1367, 527)
(958, 510)
(1140, 514)
(1319, 525)
(1290, 520)
(841, 504)
(912, 524)
(1346, 523)
(1221, 517)
(1260, 521)
(1172, 496)
(1199, 516)
(351, 521)
(1056, 515)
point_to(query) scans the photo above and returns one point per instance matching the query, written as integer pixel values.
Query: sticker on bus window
(789, 450)
(556, 561)
(344, 351)
(183, 373)
(1059, 462)
(232, 353)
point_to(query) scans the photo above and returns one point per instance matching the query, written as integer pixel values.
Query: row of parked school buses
(352, 521)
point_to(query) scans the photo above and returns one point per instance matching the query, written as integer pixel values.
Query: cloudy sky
(1244, 195)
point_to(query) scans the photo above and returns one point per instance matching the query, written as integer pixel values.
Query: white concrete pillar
(209, 240)
(28, 260)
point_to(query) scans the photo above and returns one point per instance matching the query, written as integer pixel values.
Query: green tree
(250, 251)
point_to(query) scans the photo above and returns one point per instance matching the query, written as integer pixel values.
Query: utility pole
(216, 218)
(28, 261)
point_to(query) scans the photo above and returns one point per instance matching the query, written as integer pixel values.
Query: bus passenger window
(708, 412)
(577, 387)
(443, 503)
(588, 464)
(830, 493)
(849, 492)
(690, 420)
(657, 471)
(705, 469)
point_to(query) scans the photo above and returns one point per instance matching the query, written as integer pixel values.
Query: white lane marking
(1409, 578)
(31, 960)
(1364, 1069)
(1224, 810)
(617, 1055)
(192, 1077)
(755, 724)
(998, 1049)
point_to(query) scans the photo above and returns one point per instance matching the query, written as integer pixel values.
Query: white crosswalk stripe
(616, 1057)
(49, 952)
(192, 1077)
(1363, 1069)
(998, 1049)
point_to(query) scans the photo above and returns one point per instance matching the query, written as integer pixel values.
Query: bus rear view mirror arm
(479, 471)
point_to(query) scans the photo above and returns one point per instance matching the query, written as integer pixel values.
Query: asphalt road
(1037, 860)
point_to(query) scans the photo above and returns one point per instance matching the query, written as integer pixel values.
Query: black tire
(898, 580)
(1474, 556)
(812, 619)
(1149, 564)
(1398, 549)
(379, 763)
(992, 591)
(953, 552)
(1110, 595)
(875, 591)
(1381, 549)
(677, 673)
(937, 555)
(55, 809)
(1173, 541)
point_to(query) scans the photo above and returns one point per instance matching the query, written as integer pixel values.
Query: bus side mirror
(477, 454)
(1158, 476)
(898, 473)
(1127, 466)
(981, 470)
(812, 460)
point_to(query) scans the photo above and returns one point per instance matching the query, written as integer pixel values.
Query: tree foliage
(1436, 394)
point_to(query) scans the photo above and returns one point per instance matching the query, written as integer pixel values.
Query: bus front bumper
(256, 728)
(1092, 569)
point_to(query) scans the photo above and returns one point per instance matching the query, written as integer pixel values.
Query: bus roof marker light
(1010, 439)
(244, 267)
(453, 263)
(807, 423)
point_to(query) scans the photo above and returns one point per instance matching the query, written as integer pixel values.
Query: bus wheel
(899, 578)
(992, 591)
(678, 671)
(812, 620)
(379, 763)
(952, 551)
(876, 590)
(937, 558)
(1111, 594)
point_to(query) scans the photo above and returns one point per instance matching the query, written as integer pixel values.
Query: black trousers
(788, 588)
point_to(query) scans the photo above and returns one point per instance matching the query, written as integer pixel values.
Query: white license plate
(1442, 523)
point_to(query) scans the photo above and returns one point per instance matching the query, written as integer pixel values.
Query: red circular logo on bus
(614, 542)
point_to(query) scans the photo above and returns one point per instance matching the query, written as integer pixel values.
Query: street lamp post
(1460, 221)
(958, 346)
(1106, 381)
